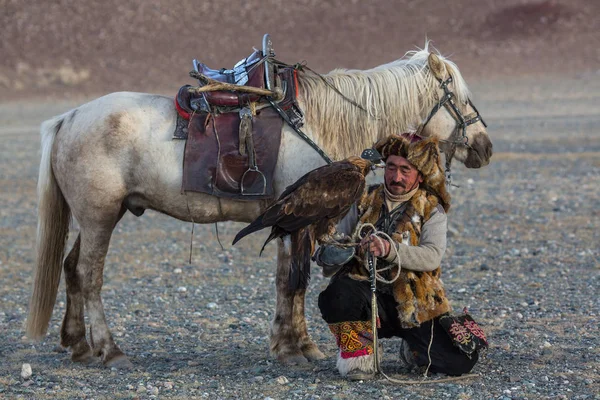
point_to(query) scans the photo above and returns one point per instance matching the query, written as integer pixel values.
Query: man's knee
(344, 300)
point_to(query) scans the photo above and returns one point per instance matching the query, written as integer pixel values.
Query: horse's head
(455, 120)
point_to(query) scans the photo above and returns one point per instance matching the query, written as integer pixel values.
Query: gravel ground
(523, 257)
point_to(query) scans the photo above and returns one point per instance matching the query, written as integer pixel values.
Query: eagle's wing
(324, 194)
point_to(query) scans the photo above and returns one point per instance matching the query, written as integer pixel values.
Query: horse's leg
(72, 332)
(95, 238)
(307, 346)
(284, 339)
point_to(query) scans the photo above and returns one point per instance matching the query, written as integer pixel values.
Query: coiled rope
(375, 276)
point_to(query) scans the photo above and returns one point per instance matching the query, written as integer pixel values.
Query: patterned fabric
(354, 338)
(464, 332)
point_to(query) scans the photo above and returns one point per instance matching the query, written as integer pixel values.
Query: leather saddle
(233, 136)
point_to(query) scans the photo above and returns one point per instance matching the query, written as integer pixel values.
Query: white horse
(116, 153)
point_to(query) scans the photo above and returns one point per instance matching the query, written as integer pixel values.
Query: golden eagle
(309, 209)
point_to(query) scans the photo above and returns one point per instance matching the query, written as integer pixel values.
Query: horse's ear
(437, 66)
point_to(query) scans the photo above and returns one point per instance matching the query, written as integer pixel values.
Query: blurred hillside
(65, 49)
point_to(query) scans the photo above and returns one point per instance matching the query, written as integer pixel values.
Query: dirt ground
(523, 251)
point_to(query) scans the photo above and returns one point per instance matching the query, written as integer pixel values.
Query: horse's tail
(54, 216)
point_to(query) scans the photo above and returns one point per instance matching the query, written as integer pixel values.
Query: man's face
(401, 176)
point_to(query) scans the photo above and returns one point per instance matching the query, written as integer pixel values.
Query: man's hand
(378, 246)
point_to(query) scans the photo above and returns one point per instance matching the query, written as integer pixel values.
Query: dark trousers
(346, 299)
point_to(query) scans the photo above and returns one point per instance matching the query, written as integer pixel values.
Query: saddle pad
(213, 164)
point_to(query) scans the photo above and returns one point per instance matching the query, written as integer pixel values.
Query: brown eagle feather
(309, 210)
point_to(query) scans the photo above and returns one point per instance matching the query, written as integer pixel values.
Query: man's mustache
(398, 184)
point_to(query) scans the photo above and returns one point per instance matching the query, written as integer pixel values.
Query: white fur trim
(363, 363)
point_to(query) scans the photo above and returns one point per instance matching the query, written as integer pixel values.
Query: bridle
(459, 135)
(462, 122)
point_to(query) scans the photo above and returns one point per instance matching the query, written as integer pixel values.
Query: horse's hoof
(119, 362)
(312, 353)
(292, 359)
(84, 358)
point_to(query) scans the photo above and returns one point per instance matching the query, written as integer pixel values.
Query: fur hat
(425, 156)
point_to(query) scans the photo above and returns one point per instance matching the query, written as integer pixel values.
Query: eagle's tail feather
(256, 225)
(302, 249)
(275, 233)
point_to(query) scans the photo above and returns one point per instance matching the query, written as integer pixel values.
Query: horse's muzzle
(480, 151)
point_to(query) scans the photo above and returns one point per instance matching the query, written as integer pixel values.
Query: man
(410, 206)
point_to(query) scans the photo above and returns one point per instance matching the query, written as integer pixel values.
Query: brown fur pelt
(420, 295)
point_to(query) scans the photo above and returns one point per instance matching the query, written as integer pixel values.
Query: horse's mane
(397, 97)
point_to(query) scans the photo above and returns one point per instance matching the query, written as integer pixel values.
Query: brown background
(66, 49)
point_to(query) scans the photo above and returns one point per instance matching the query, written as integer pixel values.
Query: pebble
(182, 289)
(177, 271)
(26, 371)
(212, 305)
(282, 380)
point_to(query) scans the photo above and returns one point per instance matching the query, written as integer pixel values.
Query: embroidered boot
(407, 358)
(355, 341)
(360, 368)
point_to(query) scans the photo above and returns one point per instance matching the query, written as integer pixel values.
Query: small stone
(547, 344)
(177, 271)
(153, 390)
(514, 378)
(26, 371)
(519, 315)
(484, 267)
(212, 305)
(168, 385)
(182, 289)
(282, 380)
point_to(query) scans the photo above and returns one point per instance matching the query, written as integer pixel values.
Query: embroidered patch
(464, 332)
(354, 338)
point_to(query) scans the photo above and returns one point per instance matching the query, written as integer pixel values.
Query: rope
(371, 266)
(301, 66)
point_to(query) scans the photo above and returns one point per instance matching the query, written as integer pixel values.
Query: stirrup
(245, 191)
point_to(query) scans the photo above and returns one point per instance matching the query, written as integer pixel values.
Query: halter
(459, 135)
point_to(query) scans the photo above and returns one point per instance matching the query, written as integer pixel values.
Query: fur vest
(420, 295)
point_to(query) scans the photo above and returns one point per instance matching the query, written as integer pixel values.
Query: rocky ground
(523, 253)
(523, 257)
